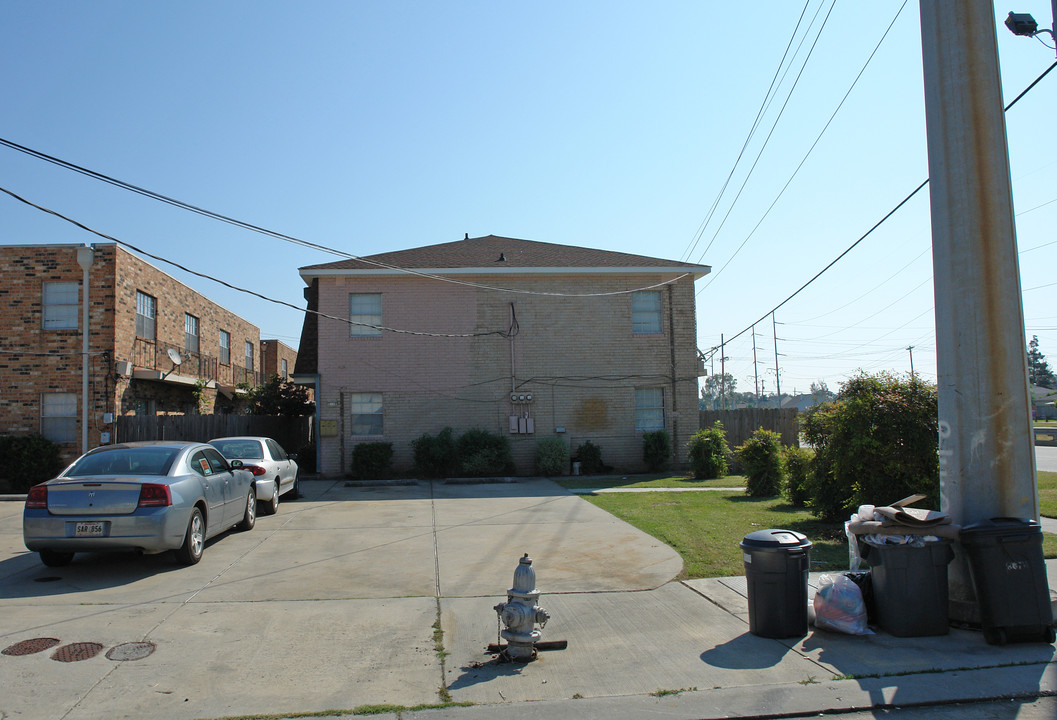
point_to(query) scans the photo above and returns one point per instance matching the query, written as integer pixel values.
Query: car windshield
(239, 449)
(126, 461)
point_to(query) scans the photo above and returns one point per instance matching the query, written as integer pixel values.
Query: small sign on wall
(328, 428)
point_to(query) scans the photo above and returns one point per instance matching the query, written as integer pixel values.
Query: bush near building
(26, 460)
(874, 444)
(656, 449)
(760, 458)
(707, 451)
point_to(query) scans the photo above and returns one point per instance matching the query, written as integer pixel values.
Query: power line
(291, 239)
(884, 219)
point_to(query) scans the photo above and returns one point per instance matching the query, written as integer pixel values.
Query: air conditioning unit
(123, 368)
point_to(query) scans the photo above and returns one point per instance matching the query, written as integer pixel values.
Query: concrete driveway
(331, 603)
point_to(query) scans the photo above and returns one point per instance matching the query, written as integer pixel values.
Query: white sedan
(274, 472)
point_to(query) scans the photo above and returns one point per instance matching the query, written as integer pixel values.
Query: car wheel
(249, 517)
(271, 506)
(194, 539)
(54, 558)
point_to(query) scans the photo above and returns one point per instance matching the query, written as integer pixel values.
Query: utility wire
(878, 224)
(297, 241)
(752, 131)
(501, 333)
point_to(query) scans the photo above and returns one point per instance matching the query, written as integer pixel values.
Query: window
(60, 305)
(58, 417)
(190, 333)
(365, 309)
(646, 313)
(249, 355)
(285, 368)
(146, 309)
(366, 413)
(225, 347)
(649, 409)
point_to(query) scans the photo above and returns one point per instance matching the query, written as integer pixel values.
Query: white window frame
(365, 309)
(191, 337)
(285, 368)
(225, 347)
(58, 416)
(649, 409)
(365, 413)
(59, 304)
(646, 310)
(249, 355)
(146, 315)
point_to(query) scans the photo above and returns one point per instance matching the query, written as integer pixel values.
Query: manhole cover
(47, 578)
(28, 647)
(130, 651)
(76, 651)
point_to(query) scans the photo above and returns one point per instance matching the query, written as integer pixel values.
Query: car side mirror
(292, 456)
(235, 464)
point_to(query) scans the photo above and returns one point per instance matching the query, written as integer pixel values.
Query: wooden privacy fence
(740, 424)
(293, 433)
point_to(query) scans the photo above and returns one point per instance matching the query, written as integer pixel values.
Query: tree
(876, 443)
(279, 396)
(821, 393)
(719, 390)
(1039, 372)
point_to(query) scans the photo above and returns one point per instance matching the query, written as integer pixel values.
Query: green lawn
(706, 527)
(658, 480)
(1048, 494)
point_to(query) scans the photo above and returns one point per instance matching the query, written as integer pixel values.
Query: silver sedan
(274, 472)
(147, 496)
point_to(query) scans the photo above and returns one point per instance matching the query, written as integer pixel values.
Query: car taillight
(255, 469)
(154, 495)
(37, 497)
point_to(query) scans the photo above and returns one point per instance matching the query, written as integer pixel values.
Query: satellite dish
(174, 355)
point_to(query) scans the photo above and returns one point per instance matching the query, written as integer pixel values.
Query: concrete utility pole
(987, 457)
(85, 257)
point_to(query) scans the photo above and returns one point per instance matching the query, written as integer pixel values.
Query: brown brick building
(155, 345)
(523, 338)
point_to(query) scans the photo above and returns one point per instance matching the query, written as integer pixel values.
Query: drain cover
(130, 651)
(76, 651)
(47, 578)
(28, 647)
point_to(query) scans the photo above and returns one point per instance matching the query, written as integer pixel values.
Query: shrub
(589, 456)
(481, 453)
(876, 443)
(372, 460)
(656, 449)
(707, 452)
(26, 460)
(797, 462)
(435, 456)
(552, 456)
(761, 460)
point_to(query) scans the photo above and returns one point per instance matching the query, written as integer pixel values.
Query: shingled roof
(501, 254)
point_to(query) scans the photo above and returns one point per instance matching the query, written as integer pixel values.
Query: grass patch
(705, 528)
(662, 480)
(1048, 494)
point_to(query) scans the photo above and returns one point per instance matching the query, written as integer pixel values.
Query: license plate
(1039, 437)
(89, 529)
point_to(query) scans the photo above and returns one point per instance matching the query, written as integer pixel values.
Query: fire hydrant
(520, 613)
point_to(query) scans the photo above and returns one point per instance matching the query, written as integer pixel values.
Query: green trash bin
(1009, 576)
(910, 586)
(776, 570)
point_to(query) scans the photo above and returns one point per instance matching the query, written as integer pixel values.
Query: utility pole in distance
(987, 456)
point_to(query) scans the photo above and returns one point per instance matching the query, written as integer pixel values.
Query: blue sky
(377, 126)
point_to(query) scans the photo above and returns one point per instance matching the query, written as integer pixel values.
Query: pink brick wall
(577, 356)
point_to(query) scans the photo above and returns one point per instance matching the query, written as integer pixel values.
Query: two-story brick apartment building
(523, 338)
(155, 345)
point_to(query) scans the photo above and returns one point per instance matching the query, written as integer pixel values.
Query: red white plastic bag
(839, 605)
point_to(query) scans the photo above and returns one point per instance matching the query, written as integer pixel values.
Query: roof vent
(466, 236)
(502, 258)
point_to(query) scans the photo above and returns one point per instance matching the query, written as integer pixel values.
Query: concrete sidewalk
(357, 596)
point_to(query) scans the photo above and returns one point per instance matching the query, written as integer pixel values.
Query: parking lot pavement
(358, 596)
(331, 603)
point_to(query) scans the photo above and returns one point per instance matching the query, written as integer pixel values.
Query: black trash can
(776, 568)
(910, 586)
(1009, 575)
